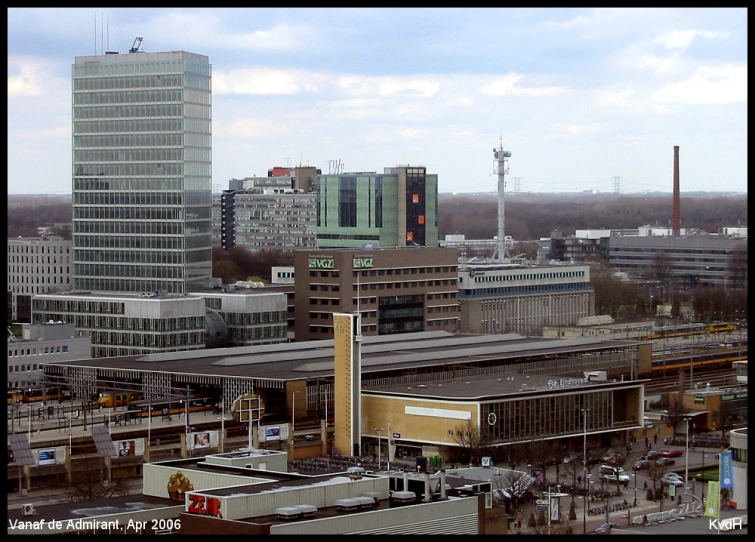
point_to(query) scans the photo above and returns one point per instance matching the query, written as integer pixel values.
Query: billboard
(202, 440)
(273, 432)
(129, 448)
(46, 457)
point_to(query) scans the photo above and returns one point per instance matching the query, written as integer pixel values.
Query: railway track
(714, 377)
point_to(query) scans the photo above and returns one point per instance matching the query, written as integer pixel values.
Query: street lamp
(584, 462)
(378, 431)
(635, 488)
(293, 412)
(686, 456)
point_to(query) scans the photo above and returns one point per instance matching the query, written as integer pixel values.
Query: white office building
(37, 265)
(43, 343)
(142, 181)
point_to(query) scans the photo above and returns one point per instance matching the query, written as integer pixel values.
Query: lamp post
(293, 412)
(635, 488)
(378, 431)
(686, 456)
(584, 462)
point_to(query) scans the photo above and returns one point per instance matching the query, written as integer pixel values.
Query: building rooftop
(293, 361)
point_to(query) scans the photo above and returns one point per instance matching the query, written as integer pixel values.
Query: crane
(135, 46)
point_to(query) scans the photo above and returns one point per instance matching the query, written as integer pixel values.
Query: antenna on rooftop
(502, 167)
(135, 46)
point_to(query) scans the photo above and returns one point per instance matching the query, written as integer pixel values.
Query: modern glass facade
(396, 208)
(142, 172)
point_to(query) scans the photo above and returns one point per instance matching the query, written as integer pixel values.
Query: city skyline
(585, 99)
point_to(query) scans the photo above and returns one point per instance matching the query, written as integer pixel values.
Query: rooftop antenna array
(136, 45)
(501, 158)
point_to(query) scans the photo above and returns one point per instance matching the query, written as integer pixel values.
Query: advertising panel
(711, 502)
(726, 470)
(202, 440)
(129, 448)
(46, 457)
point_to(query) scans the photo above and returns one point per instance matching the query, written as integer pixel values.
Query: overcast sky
(585, 98)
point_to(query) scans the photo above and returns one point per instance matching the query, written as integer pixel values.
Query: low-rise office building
(37, 265)
(42, 343)
(516, 298)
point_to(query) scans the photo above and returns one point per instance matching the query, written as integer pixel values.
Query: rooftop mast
(501, 253)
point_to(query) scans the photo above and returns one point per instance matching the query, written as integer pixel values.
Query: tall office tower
(142, 182)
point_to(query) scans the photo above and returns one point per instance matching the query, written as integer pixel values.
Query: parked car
(642, 464)
(665, 462)
(676, 475)
(672, 480)
(652, 454)
(606, 527)
(672, 453)
(609, 474)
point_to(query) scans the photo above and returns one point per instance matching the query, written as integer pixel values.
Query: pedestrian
(645, 487)
(655, 439)
(579, 480)
(644, 520)
(646, 443)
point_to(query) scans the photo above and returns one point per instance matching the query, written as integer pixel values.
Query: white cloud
(578, 129)
(265, 81)
(407, 87)
(508, 86)
(710, 85)
(28, 76)
(681, 39)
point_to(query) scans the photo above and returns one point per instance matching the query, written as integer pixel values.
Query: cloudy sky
(585, 99)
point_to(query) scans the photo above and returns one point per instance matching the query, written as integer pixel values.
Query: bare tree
(467, 435)
(88, 484)
(723, 421)
(675, 415)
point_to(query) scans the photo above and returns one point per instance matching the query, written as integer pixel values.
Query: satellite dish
(495, 155)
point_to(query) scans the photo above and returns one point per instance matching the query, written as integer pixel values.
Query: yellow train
(686, 330)
(111, 398)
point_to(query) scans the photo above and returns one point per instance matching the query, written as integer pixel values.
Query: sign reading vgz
(363, 262)
(327, 262)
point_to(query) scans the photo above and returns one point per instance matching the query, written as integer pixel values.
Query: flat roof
(482, 388)
(294, 361)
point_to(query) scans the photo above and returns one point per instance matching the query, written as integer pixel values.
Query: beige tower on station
(348, 383)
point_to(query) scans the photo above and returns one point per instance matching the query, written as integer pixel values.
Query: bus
(112, 398)
(171, 406)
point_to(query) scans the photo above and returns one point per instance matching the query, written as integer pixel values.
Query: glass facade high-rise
(142, 183)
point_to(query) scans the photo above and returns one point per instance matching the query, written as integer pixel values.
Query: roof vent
(402, 498)
(307, 510)
(288, 512)
(347, 505)
(365, 502)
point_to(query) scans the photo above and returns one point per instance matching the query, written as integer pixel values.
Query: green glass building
(396, 208)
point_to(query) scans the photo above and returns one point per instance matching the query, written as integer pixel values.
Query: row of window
(529, 276)
(127, 324)
(150, 340)
(40, 351)
(132, 256)
(24, 278)
(125, 76)
(15, 248)
(144, 242)
(22, 368)
(141, 228)
(39, 259)
(113, 127)
(136, 213)
(529, 289)
(160, 95)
